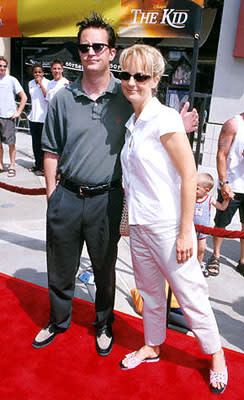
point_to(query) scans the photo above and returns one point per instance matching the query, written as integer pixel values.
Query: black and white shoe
(45, 336)
(104, 340)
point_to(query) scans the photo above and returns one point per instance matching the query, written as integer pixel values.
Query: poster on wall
(130, 18)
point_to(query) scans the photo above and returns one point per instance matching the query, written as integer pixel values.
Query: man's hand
(38, 80)
(16, 114)
(226, 192)
(190, 118)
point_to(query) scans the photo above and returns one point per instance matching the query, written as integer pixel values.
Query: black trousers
(36, 134)
(71, 220)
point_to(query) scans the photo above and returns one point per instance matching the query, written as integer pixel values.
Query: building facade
(228, 88)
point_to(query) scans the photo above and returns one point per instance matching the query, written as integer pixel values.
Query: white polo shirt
(54, 87)
(38, 103)
(151, 182)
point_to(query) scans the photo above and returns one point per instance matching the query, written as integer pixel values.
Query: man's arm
(23, 100)
(50, 169)
(226, 137)
(190, 118)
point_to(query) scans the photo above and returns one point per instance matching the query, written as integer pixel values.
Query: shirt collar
(76, 88)
(151, 109)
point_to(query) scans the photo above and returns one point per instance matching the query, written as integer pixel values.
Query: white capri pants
(153, 250)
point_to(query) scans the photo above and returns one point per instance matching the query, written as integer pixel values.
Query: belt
(88, 190)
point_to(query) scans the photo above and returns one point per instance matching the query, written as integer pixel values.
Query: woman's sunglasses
(97, 47)
(125, 76)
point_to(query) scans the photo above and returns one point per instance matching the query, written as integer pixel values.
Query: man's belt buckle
(81, 192)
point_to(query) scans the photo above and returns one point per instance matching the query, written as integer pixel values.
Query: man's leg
(64, 245)
(9, 137)
(1, 146)
(240, 266)
(102, 214)
(222, 219)
(36, 133)
(242, 246)
(12, 155)
(217, 245)
(1, 156)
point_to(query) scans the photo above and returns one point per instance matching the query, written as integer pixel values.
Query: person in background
(9, 89)
(82, 138)
(202, 213)
(159, 177)
(58, 80)
(37, 90)
(230, 166)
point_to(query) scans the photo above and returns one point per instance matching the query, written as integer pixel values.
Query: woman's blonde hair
(151, 59)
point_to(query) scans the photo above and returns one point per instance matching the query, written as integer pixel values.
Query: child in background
(202, 213)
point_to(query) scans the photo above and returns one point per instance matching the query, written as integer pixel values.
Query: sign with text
(130, 18)
(160, 18)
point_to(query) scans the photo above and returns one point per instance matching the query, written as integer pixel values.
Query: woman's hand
(184, 247)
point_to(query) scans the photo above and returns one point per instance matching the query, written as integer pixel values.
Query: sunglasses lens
(97, 47)
(141, 78)
(84, 48)
(125, 76)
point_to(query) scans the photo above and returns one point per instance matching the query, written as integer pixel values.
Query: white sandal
(218, 377)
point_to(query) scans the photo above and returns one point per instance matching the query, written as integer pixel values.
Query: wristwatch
(223, 183)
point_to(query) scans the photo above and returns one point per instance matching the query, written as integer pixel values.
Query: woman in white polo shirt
(160, 184)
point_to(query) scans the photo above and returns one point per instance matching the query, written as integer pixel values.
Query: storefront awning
(130, 18)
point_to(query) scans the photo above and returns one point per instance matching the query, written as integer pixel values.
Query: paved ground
(22, 252)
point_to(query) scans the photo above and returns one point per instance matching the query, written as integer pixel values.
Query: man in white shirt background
(58, 80)
(9, 88)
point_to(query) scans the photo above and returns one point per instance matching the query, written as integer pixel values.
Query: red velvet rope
(219, 232)
(21, 190)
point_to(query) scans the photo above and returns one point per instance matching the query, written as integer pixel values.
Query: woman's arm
(179, 150)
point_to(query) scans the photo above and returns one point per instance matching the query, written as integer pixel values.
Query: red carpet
(70, 369)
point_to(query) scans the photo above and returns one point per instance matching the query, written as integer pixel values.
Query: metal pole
(193, 79)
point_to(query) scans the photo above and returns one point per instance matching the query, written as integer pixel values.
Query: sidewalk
(22, 252)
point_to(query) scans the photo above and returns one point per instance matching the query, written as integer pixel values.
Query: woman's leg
(151, 285)
(191, 291)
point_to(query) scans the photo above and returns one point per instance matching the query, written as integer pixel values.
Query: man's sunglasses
(125, 76)
(97, 47)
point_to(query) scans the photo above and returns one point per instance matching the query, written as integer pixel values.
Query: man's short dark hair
(57, 62)
(97, 21)
(37, 65)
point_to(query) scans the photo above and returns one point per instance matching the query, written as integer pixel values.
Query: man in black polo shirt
(82, 139)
